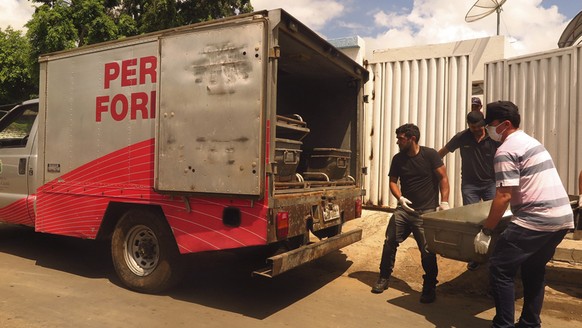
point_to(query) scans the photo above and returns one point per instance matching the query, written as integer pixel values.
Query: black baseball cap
(502, 110)
(475, 117)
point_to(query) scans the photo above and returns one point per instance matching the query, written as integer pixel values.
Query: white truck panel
(101, 99)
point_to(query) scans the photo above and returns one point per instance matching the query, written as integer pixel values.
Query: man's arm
(443, 151)
(393, 184)
(443, 183)
(498, 207)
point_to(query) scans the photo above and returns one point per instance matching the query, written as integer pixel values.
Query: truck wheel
(144, 253)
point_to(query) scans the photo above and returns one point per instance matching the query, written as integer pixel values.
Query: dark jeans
(528, 250)
(401, 225)
(473, 193)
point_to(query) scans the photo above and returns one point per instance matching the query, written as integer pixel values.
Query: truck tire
(144, 252)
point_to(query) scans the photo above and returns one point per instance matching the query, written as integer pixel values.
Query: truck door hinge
(275, 52)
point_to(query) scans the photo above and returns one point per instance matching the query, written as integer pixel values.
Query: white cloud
(313, 13)
(530, 27)
(15, 13)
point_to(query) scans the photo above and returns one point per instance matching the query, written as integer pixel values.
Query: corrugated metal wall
(432, 93)
(547, 89)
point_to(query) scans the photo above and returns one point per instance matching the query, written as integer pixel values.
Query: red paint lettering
(139, 102)
(153, 104)
(111, 73)
(101, 107)
(119, 116)
(138, 105)
(148, 66)
(128, 72)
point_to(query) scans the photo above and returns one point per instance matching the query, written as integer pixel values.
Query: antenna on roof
(484, 8)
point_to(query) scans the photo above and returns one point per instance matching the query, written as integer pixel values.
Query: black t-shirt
(476, 158)
(418, 180)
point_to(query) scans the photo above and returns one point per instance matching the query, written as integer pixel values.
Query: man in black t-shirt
(477, 152)
(422, 174)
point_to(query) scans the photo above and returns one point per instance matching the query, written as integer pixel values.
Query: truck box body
(183, 123)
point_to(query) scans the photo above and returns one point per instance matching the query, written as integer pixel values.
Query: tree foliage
(64, 24)
(15, 79)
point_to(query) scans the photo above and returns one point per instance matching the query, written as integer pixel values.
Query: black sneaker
(428, 294)
(380, 286)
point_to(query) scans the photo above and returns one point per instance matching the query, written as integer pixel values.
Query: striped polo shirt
(540, 202)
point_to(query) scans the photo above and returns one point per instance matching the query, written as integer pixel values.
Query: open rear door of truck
(211, 125)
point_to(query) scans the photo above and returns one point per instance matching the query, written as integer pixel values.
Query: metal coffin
(291, 127)
(451, 233)
(287, 155)
(329, 163)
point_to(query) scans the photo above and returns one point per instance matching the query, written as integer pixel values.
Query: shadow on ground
(221, 280)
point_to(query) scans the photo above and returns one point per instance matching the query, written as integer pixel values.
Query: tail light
(282, 225)
(358, 211)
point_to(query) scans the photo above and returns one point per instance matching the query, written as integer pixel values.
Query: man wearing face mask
(526, 179)
(422, 175)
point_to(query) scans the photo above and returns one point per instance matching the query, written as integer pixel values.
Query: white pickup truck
(239, 132)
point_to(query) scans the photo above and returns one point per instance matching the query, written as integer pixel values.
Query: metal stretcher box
(451, 233)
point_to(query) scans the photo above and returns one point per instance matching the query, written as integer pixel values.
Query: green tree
(195, 11)
(155, 15)
(92, 22)
(15, 79)
(50, 29)
(64, 24)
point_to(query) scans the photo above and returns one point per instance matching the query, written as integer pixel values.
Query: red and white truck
(239, 132)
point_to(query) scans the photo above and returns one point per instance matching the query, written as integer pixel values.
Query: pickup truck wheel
(144, 253)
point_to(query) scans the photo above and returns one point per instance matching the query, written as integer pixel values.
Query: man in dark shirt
(422, 174)
(477, 152)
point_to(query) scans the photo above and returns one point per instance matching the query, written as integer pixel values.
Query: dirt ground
(55, 281)
(563, 298)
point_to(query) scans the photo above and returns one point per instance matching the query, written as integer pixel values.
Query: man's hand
(404, 202)
(482, 243)
(443, 206)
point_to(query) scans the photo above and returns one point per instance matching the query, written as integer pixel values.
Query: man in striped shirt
(526, 179)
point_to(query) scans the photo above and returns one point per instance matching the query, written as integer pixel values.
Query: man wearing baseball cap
(527, 180)
(476, 104)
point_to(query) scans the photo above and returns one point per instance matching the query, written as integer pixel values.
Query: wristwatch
(486, 231)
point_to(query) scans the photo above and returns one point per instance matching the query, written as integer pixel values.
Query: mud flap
(286, 261)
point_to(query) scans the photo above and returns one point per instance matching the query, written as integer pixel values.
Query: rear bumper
(283, 262)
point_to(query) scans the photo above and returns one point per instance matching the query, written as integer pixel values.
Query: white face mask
(492, 131)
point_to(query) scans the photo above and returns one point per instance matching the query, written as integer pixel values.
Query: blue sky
(529, 25)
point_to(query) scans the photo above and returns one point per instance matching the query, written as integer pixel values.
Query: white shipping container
(546, 88)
